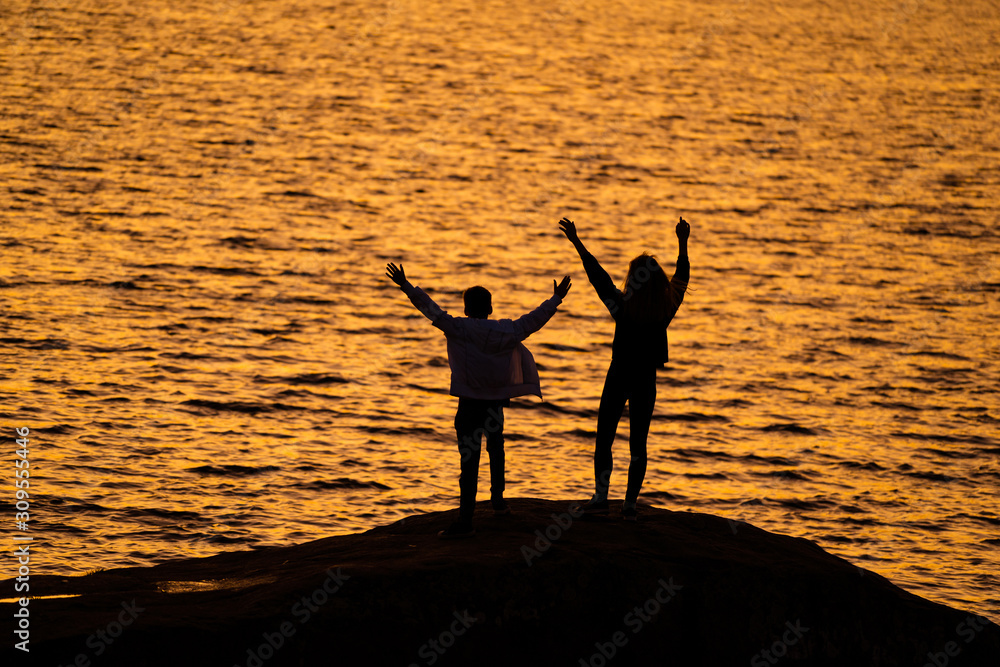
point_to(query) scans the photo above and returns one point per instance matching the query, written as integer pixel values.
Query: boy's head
(478, 302)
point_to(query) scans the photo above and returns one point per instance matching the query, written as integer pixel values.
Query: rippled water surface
(199, 199)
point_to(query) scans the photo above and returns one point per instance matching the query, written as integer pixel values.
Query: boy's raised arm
(437, 315)
(531, 322)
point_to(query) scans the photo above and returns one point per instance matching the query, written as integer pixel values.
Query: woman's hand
(683, 230)
(395, 273)
(568, 228)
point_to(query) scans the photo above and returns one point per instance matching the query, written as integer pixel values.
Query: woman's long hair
(647, 291)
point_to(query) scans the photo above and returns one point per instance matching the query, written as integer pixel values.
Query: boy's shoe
(593, 507)
(629, 512)
(500, 507)
(457, 530)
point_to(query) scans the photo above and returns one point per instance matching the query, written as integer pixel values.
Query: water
(200, 199)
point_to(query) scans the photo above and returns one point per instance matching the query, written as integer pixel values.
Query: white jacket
(487, 358)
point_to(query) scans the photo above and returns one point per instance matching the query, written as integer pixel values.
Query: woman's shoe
(593, 506)
(456, 530)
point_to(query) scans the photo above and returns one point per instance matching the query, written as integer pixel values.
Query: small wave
(136, 347)
(311, 300)
(871, 341)
(934, 353)
(67, 167)
(661, 495)
(784, 474)
(546, 406)
(232, 470)
(867, 465)
(899, 405)
(225, 270)
(398, 430)
(970, 439)
(430, 390)
(790, 428)
(304, 378)
(802, 503)
(559, 347)
(238, 406)
(264, 331)
(245, 242)
(120, 485)
(125, 284)
(930, 476)
(38, 343)
(992, 520)
(343, 483)
(192, 356)
(227, 539)
(925, 525)
(692, 417)
(691, 453)
(161, 513)
(773, 460)
(861, 521)
(705, 475)
(59, 429)
(872, 320)
(71, 504)
(294, 193)
(949, 454)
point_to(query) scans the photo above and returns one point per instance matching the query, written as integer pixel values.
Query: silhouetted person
(642, 309)
(489, 366)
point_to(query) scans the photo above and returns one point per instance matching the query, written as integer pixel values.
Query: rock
(538, 587)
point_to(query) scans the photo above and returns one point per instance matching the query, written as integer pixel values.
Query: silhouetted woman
(642, 309)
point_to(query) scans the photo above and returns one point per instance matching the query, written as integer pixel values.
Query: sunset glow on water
(200, 198)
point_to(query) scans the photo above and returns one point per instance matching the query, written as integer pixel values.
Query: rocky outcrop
(538, 587)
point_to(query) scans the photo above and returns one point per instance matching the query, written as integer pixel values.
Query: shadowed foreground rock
(538, 587)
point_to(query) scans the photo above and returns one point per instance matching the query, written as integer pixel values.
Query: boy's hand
(683, 230)
(395, 273)
(562, 289)
(568, 228)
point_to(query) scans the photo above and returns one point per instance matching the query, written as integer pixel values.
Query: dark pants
(637, 385)
(473, 419)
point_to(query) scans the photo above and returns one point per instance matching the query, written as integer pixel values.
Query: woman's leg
(641, 400)
(608, 416)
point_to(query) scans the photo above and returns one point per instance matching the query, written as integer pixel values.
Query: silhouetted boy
(489, 366)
